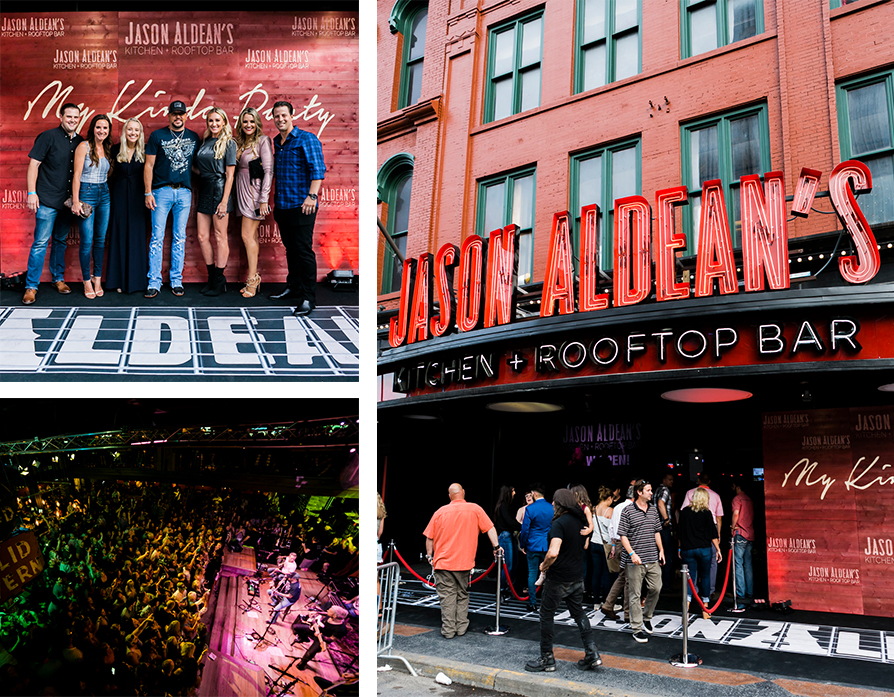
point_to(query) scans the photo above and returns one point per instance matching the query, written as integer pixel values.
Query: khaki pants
(453, 592)
(651, 572)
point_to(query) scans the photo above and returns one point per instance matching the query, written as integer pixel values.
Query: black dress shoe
(287, 293)
(304, 308)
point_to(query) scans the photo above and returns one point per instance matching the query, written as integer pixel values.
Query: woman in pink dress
(253, 185)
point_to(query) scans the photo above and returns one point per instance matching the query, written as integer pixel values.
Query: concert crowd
(118, 609)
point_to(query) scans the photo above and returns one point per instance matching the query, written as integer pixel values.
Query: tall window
(409, 18)
(866, 132)
(723, 147)
(513, 67)
(600, 176)
(708, 24)
(395, 186)
(505, 199)
(608, 42)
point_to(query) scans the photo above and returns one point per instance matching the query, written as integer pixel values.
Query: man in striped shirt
(640, 533)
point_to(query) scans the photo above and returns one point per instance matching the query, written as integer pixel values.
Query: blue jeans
(534, 561)
(699, 562)
(744, 572)
(602, 579)
(167, 200)
(508, 546)
(50, 223)
(93, 229)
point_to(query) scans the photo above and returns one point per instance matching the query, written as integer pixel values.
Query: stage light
(341, 279)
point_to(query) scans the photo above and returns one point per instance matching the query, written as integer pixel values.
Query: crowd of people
(119, 192)
(577, 550)
(119, 607)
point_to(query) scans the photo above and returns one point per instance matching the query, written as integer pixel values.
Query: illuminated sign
(20, 563)
(486, 287)
(637, 351)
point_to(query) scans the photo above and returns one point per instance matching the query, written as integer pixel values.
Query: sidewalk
(637, 670)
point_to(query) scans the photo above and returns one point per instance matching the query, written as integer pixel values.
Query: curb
(524, 684)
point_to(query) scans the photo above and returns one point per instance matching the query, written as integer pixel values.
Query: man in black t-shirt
(564, 568)
(167, 178)
(49, 177)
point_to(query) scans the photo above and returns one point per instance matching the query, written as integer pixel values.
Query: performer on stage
(287, 598)
(281, 573)
(334, 627)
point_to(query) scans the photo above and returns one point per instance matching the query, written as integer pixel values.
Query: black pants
(573, 595)
(303, 632)
(296, 230)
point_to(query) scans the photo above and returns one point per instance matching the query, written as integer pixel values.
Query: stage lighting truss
(312, 434)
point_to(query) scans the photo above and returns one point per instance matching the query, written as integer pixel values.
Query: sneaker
(640, 637)
(544, 663)
(647, 626)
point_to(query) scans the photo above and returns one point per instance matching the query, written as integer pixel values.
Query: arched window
(395, 185)
(409, 19)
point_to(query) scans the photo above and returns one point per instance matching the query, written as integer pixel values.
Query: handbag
(86, 208)
(255, 169)
(613, 564)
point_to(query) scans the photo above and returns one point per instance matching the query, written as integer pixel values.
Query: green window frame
(709, 24)
(866, 133)
(608, 41)
(409, 18)
(599, 175)
(510, 198)
(514, 56)
(725, 147)
(394, 183)
(841, 3)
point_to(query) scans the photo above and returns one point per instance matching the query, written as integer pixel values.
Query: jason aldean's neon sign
(764, 255)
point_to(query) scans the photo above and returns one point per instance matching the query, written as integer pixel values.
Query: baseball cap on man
(177, 107)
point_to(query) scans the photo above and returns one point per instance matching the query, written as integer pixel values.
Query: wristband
(147, 194)
(31, 192)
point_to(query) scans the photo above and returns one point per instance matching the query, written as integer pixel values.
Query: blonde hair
(380, 507)
(139, 148)
(700, 500)
(244, 142)
(226, 133)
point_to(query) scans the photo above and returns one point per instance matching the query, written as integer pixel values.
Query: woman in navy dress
(128, 231)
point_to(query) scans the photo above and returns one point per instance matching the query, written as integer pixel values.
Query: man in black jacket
(564, 569)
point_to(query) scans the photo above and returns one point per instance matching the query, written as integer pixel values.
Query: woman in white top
(602, 578)
(92, 164)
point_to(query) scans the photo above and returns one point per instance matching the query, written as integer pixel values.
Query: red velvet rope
(431, 585)
(512, 588)
(403, 561)
(722, 593)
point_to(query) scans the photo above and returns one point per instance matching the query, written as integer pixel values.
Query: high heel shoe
(97, 287)
(251, 286)
(88, 290)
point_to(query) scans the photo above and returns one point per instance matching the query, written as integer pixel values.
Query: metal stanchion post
(685, 659)
(497, 630)
(732, 560)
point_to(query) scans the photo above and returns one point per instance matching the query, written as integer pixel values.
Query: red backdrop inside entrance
(829, 482)
(128, 64)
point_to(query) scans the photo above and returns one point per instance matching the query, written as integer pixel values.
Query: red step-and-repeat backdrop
(829, 483)
(134, 64)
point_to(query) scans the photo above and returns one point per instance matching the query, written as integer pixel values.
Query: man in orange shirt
(451, 540)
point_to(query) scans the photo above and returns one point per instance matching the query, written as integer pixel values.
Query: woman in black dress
(128, 230)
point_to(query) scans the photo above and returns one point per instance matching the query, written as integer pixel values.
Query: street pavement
(629, 669)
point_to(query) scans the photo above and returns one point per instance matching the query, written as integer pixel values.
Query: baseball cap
(177, 106)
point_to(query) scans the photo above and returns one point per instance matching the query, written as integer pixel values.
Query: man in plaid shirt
(299, 170)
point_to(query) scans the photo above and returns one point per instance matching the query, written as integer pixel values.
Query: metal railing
(388, 576)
